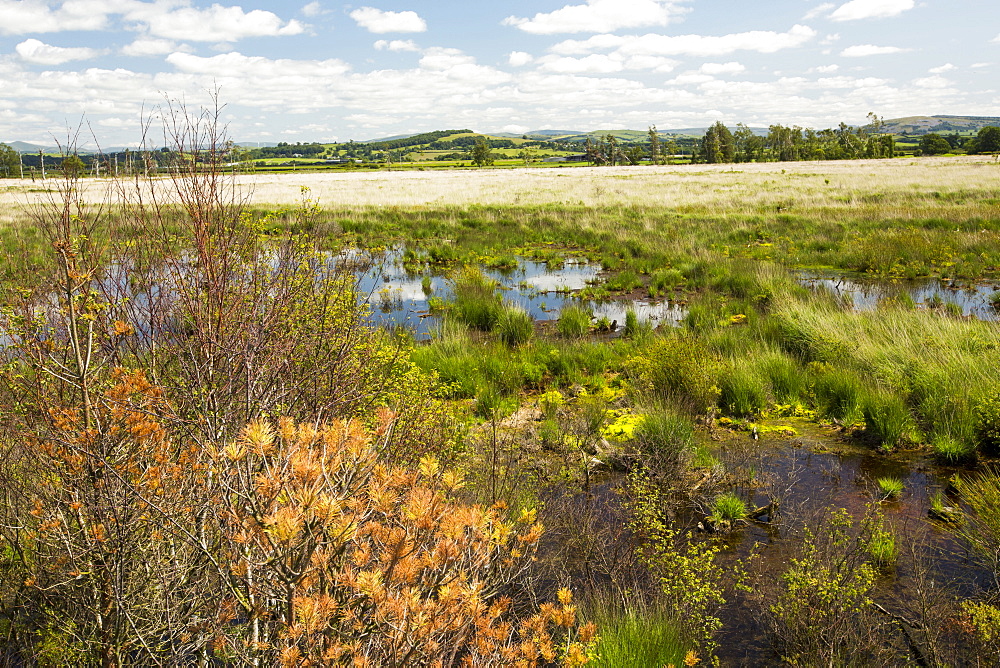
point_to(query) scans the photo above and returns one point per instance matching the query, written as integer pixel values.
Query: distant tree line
(466, 143)
(783, 143)
(987, 141)
(286, 150)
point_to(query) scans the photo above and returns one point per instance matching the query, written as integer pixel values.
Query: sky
(328, 71)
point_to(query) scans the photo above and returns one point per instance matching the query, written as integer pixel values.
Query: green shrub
(574, 322)
(690, 577)
(823, 614)
(988, 423)
(680, 369)
(514, 325)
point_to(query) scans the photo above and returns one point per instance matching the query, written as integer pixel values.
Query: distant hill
(908, 126)
(24, 147)
(921, 125)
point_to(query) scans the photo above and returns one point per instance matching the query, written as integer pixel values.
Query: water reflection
(402, 298)
(864, 294)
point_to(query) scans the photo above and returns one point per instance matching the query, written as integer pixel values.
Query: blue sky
(328, 71)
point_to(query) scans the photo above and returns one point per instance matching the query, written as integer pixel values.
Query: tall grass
(887, 419)
(574, 322)
(938, 367)
(784, 375)
(743, 392)
(638, 636)
(514, 325)
(476, 302)
(666, 439)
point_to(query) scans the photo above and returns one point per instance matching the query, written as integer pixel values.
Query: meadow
(773, 481)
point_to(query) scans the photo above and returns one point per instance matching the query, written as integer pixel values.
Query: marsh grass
(889, 487)
(476, 302)
(887, 217)
(888, 421)
(953, 451)
(623, 281)
(665, 281)
(639, 636)
(938, 367)
(636, 328)
(882, 548)
(742, 390)
(784, 376)
(666, 439)
(995, 300)
(574, 322)
(514, 325)
(839, 394)
(728, 508)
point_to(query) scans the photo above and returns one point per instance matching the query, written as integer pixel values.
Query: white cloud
(862, 50)
(825, 69)
(235, 64)
(761, 41)
(36, 16)
(690, 78)
(519, 58)
(605, 64)
(440, 58)
(932, 82)
(150, 46)
(947, 67)
(514, 129)
(722, 68)
(593, 64)
(213, 24)
(40, 53)
(979, 65)
(818, 11)
(830, 39)
(171, 19)
(870, 9)
(378, 21)
(996, 40)
(396, 45)
(313, 9)
(600, 16)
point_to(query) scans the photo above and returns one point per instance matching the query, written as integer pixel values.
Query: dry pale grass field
(738, 187)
